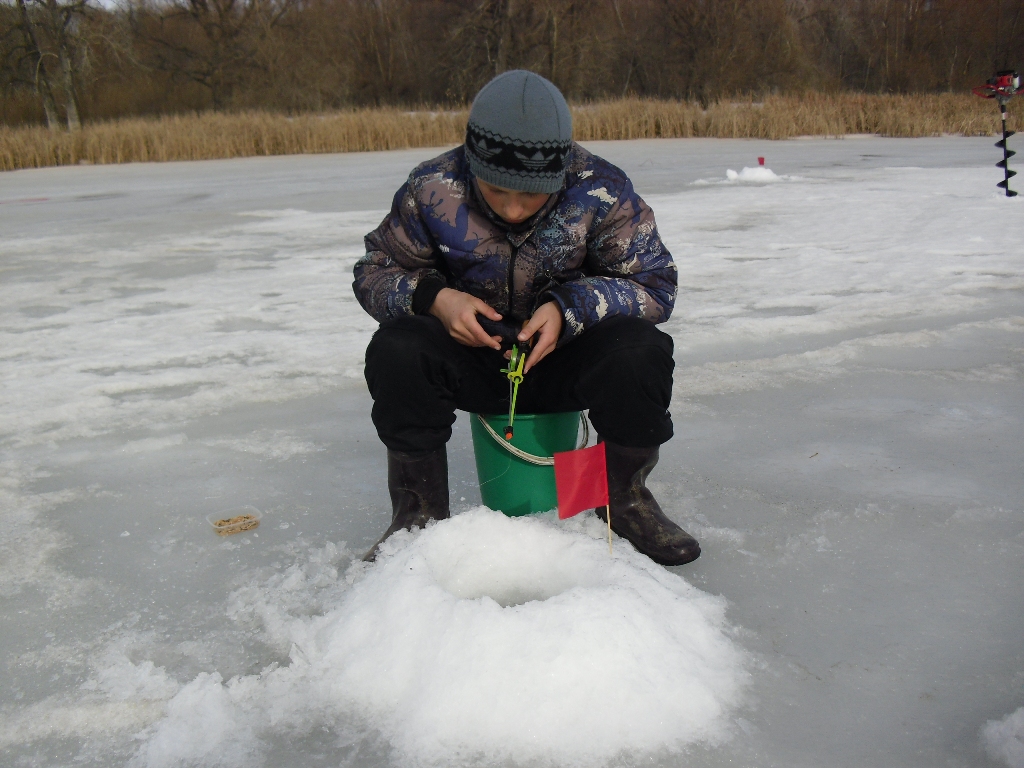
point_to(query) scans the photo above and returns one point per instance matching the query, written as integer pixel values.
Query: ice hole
(522, 569)
(506, 589)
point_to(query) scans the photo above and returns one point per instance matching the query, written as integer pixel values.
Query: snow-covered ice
(480, 640)
(758, 175)
(180, 339)
(1004, 739)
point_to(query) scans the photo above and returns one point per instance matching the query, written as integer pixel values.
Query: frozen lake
(178, 339)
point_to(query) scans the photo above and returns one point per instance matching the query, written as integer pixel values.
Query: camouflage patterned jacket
(594, 248)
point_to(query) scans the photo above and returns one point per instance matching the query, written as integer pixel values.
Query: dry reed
(220, 135)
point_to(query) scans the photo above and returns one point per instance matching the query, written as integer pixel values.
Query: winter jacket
(594, 248)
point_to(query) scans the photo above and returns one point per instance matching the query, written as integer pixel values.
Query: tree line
(65, 61)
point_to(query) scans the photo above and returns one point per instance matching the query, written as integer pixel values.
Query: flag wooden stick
(608, 514)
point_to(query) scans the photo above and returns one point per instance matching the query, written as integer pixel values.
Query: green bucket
(522, 486)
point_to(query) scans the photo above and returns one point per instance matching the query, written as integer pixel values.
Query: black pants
(620, 369)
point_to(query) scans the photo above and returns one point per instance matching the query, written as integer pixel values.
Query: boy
(521, 236)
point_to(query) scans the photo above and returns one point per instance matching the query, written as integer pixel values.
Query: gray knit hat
(519, 133)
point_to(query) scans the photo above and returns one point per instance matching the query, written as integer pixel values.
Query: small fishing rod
(514, 372)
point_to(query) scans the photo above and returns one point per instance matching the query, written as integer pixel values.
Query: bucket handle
(519, 453)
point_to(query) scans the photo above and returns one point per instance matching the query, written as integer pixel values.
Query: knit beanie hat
(519, 133)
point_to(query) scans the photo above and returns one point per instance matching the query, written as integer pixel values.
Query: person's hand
(545, 327)
(457, 311)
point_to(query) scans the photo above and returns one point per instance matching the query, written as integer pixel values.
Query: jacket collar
(516, 233)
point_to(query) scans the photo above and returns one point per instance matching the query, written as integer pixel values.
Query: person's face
(512, 206)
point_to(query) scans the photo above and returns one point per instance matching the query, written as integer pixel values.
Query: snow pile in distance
(479, 640)
(1004, 739)
(757, 175)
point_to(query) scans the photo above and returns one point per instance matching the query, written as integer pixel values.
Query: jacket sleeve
(400, 256)
(630, 272)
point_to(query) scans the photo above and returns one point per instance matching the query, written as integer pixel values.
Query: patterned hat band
(524, 167)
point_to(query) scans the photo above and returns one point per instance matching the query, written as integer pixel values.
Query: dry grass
(217, 135)
(212, 135)
(783, 117)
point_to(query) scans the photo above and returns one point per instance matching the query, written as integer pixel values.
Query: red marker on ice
(760, 161)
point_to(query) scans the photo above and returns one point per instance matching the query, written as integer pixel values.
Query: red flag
(582, 480)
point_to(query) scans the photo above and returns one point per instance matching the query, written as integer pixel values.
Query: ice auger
(1004, 86)
(514, 372)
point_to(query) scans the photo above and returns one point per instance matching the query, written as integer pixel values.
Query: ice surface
(180, 339)
(1004, 739)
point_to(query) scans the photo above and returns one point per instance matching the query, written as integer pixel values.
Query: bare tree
(64, 60)
(629, 38)
(490, 36)
(378, 38)
(1009, 27)
(21, 63)
(49, 54)
(214, 43)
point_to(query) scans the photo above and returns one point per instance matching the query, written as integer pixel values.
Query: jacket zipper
(512, 274)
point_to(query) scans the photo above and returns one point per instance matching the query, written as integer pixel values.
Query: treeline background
(68, 61)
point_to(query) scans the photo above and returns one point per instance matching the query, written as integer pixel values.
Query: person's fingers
(458, 331)
(478, 334)
(457, 310)
(543, 345)
(483, 308)
(464, 335)
(531, 327)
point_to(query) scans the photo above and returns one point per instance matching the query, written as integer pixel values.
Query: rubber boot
(636, 515)
(418, 484)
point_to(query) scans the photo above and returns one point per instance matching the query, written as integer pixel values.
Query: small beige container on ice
(235, 520)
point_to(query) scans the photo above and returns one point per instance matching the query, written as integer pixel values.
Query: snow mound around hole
(758, 175)
(480, 640)
(1004, 739)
